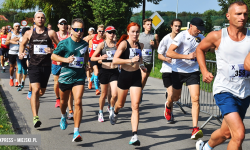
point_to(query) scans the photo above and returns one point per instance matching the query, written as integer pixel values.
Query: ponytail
(123, 37)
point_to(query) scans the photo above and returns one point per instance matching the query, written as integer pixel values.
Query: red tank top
(60, 39)
(95, 43)
(3, 40)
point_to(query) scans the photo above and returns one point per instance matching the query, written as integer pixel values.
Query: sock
(22, 80)
(11, 77)
(116, 113)
(207, 147)
(3, 67)
(16, 80)
(76, 129)
(100, 111)
(64, 115)
(96, 82)
(92, 78)
(111, 108)
(134, 133)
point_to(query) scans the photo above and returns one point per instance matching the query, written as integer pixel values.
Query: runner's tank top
(110, 51)
(129, 53)
(231, 76)
(60, 39)
(37, 44)
(3, 41)
(147, 52)
(14, 48)
(95, 43)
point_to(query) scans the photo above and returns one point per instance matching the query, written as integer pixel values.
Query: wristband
(142, 65)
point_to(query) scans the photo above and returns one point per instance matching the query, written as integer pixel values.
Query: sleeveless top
(60, 38)
(37, 44)
(14, 48)
(231, 76)
(147, 52)
(129, 53)
(95, 43)
(110, 51)
(3, 40)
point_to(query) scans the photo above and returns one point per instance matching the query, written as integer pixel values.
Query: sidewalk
(154, 133)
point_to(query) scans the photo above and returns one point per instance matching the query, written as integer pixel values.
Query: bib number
(3, 41)
(77, 63)
(134, 52)
(39, 49)
(237, 71)
(110, 54)
(95, 46)
(147, 52)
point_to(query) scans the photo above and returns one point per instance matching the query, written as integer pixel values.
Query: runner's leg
(78, 93)
(194, 91)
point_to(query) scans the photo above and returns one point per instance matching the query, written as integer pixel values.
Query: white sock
(16, 80)
(22, 80)
(11, 77)
(76, 129)
(64, 115)
(3, 67)
(207, 147)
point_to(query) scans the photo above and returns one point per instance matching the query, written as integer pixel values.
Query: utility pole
(143, 12)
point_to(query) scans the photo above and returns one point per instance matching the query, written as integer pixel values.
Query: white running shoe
(134, 141)
(112, 117)
(100, 117)
(200, 144)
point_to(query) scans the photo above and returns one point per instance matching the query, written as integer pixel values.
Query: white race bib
(110, 54)
(77, 63)
(134, 52)
(3, 41)
(147, 52)
(95, 46)
(13, 52)
(237, 71)
(39, 49)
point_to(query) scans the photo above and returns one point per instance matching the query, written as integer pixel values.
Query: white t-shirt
(162, 49)
(186, 44)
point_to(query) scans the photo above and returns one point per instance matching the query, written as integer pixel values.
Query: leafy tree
(209, 24)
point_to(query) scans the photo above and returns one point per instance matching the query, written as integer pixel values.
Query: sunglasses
(63, 23)
(100, 31)
(78, 29)
(110, 32)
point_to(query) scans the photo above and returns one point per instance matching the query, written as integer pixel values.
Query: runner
(72, 52)
(40, 60)
(22, 65)
(96, 39)
(231, 85)
(186, 69)
(128, 55)
(166, 68)
(4, 48)
(13, 42)
(151, 42)
(109, 73)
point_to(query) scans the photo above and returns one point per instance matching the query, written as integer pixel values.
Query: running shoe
(113, 117)
(63, 123)
(89, 84)
(22, 83)
(11, 82)
(71, 115)
(16, 84)
(6, 64)
(29, 95)
(100, 117)
(3, 71)
(20, 87)
(167, 114)
(57, 103)
(134, 141)
(97, 92)
(200, 145)
(37, 123)
(77, 137)
(196, 134)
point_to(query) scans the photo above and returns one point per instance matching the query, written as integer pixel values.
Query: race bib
(110, 54)
(134, 52)
(77, 63)
(147, 52)
(13, 52)
(237, 71)
(95, 46)
(39, 49)
(3, 41)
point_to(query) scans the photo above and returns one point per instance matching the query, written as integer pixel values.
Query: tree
(209, 24)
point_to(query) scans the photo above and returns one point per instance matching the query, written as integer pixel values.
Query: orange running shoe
(97, 92)
(57, 103)
(11, 82)
(89, 84)
(16, 84)
(196, 133)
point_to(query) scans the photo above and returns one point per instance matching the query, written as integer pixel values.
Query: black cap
(199, 23)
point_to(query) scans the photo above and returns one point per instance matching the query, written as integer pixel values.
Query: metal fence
(207, 102)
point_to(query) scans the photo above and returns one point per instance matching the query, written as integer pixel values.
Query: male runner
(231, 86)
(151, 42)
(73, 53)
(40, 60)
(13, 42)
(4, 48)
(186, 69)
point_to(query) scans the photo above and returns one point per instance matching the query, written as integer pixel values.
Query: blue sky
(184, 5)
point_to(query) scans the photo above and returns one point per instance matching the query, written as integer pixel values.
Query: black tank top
(37, 40)
(110, 51)
(126, 53)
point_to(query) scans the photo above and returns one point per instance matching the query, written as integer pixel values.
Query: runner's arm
(8, 39)
(54, 37)
(24, 42)
(97, 51)
(247, 62)
(121, 48)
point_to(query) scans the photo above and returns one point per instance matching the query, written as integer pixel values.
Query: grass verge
(6, 127)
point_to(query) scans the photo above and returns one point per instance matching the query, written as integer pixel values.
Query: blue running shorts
(56, 69)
